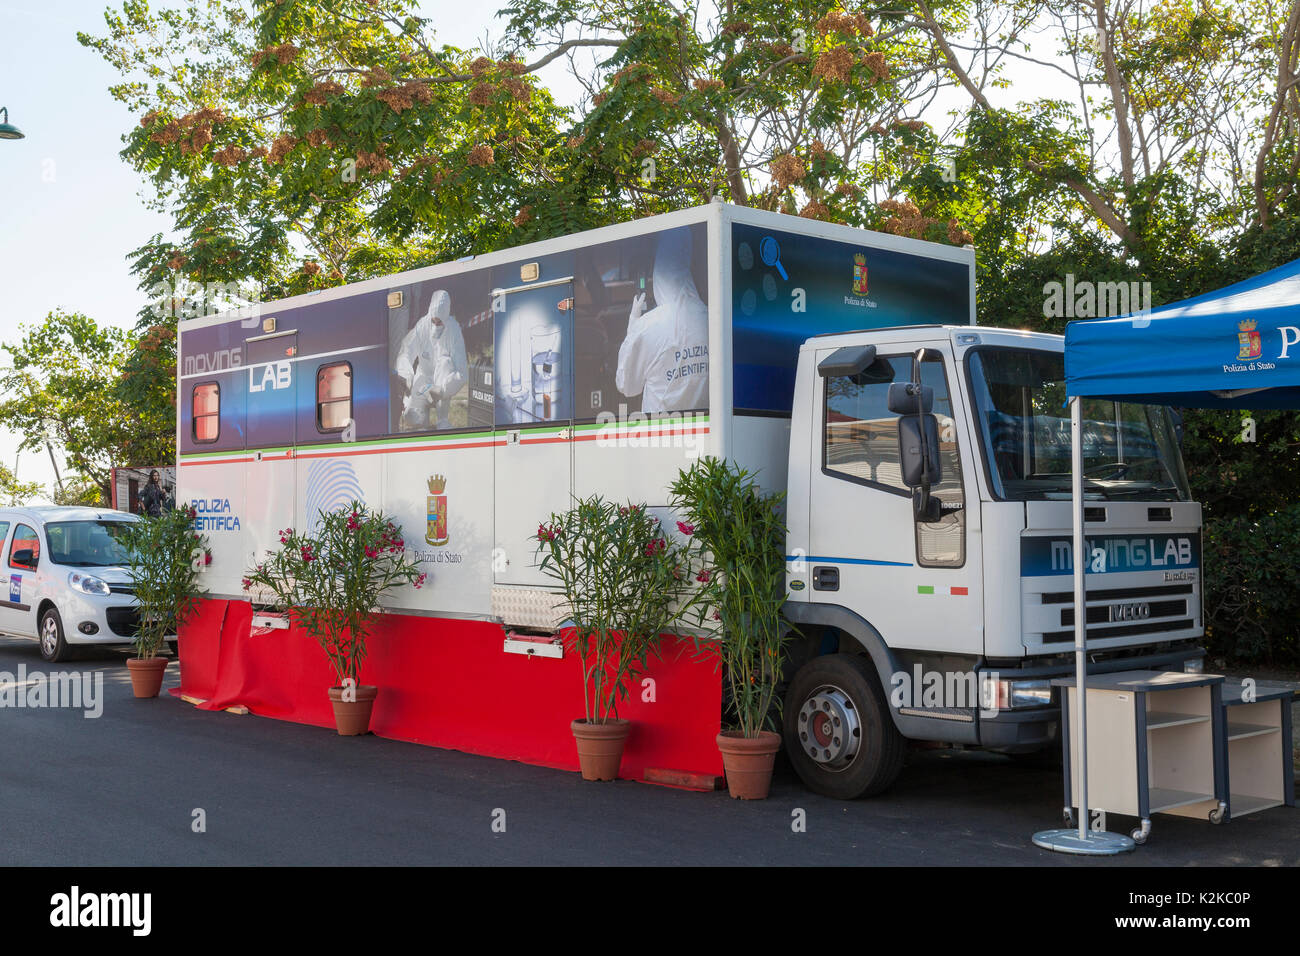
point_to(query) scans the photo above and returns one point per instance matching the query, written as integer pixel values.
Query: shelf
(1160, 798)
(1243, 803)
(1239, 731)
(1157, 719)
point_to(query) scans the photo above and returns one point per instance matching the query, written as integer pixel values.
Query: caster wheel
(1138, 836)
(1216, 815)
(1068, 817)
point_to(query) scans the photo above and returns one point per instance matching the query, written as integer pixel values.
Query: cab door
(909, 579)
(533, 436)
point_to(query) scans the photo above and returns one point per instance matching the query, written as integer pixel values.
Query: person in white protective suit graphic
(665, 356)
(432, 363)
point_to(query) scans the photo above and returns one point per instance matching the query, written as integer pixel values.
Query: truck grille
(1123, 612)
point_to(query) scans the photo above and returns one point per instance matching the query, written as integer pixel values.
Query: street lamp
(7, 129)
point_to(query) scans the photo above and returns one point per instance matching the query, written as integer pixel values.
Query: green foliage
(1252, 598)
(15, 492)
(624, 583)
(738, 539)
(64, 385)
(331, 579)
(166, 557)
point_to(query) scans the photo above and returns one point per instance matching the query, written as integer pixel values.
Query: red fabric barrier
(448, 683)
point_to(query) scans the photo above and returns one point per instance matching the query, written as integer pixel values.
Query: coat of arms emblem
(435, 532)
(1248, 340)
(859, 274)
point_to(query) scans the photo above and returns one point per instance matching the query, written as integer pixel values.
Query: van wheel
(838, 731)
(53, 647)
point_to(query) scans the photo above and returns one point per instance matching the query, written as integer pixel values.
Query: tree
(64, 387)
(309, 144)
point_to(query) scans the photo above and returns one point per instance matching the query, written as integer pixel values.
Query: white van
(65, 580)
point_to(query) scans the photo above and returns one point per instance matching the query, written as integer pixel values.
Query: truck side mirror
(918, 454)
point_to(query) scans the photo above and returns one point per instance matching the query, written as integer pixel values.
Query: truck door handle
(826, 579)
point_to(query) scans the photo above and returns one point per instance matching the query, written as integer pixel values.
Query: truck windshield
(87, 544)
(1130, 451)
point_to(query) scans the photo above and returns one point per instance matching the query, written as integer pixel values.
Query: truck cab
(929, 549)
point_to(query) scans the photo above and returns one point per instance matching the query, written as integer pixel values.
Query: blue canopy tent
(1238, 347)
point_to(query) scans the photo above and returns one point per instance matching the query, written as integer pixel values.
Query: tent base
(1097, 843)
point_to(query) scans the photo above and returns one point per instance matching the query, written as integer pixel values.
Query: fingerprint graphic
(331, 484)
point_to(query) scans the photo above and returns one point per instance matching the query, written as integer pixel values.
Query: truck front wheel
(838, 732)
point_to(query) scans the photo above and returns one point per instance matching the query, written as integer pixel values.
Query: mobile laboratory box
(470, 400)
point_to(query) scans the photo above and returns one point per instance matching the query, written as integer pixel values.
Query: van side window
(206, 425)
(25, 539)
(333, 397)
(4, 532)
(860, 444)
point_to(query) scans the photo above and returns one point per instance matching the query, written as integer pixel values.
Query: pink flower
(371, 553)
(207, 557)
(654, 547)
(704, 576)
(686, 529)
(247, 583)
(420, 580)
(307, 553)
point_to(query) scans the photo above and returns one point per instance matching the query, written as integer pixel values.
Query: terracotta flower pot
(146, 675)
(600, 746)
(748, 762)
(352, 717)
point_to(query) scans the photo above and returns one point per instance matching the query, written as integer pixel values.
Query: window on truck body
(333, 396)
(205, 426)
(860, 444)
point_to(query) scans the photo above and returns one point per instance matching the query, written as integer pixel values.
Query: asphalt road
(122, 790)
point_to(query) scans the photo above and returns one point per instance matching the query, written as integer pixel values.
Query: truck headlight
(88, 583)
(1024, 693)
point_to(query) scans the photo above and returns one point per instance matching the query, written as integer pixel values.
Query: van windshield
(1130, 451)
(88, 544)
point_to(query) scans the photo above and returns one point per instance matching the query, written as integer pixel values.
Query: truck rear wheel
(838, 732)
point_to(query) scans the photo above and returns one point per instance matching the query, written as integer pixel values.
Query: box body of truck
(470, 400)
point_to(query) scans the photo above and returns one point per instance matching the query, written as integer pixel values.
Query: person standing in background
(153, 498)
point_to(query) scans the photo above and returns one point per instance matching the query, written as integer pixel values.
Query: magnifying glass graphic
(770, 253)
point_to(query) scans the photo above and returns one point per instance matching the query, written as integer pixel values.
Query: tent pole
(1080, 603)
(1080, 841)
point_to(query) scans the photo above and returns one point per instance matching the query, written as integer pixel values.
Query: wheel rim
(830, 728)
(49, 636)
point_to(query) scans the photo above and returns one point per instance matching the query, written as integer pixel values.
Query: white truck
(925, 460)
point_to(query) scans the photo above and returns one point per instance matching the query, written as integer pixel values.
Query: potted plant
(737, 535)
(621, 578)
(330, 581)
(165, 557)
